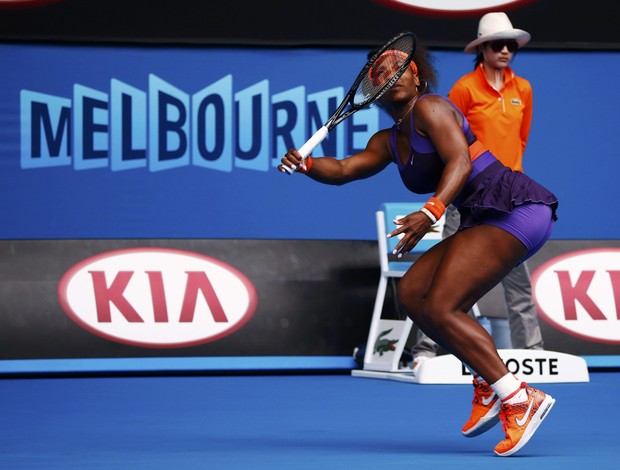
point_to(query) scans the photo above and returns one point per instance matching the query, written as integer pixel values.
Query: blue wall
(168, 189)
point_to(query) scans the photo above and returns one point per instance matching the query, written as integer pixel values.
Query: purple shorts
(496, 195)
(530, 223)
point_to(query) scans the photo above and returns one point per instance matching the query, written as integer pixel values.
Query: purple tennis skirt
(496, 195)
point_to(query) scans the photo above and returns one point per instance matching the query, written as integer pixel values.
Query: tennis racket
(380, 73)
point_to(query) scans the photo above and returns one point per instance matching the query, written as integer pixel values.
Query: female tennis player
(505, 218)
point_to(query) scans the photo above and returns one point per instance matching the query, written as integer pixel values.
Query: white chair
(387, 337)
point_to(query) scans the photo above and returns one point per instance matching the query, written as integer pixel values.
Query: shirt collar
(509, 75)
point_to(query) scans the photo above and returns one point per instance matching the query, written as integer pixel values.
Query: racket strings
(389, 65)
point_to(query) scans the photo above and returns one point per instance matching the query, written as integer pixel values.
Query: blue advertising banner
(166, 142)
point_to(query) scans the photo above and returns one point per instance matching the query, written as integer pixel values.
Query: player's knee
(435, 312)
(410, 299)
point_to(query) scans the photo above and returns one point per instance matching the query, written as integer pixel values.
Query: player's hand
(412, 227)
(291, 162)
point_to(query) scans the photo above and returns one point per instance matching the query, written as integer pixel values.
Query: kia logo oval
(579, 293)
(157, 297)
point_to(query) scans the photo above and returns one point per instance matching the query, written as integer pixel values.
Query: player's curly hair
(426, 69)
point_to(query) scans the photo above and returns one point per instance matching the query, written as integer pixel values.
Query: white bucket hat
(494, 26)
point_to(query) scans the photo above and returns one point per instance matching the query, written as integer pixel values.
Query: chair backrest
(390, 211)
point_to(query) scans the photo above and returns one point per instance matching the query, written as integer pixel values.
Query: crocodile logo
(384, 345)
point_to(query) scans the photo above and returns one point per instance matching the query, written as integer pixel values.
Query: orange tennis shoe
(485, 413)
(521, 420)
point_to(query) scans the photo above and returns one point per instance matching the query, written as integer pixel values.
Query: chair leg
(376, 319)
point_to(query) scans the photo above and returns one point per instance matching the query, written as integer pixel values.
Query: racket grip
(313, 141)
(309, 146)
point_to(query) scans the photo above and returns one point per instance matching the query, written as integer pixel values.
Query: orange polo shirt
(500, 119)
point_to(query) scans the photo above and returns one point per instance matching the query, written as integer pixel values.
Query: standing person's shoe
(485, 413)
(415, 364)
(521, 420)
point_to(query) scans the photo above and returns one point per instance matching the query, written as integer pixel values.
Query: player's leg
(424, 347)
(444, 283)
(455, 277)
(523, 410)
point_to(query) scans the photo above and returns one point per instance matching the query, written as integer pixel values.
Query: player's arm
(436, 119)
(370, 161)
(439, 121)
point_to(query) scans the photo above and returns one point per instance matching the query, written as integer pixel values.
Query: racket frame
(342, 112)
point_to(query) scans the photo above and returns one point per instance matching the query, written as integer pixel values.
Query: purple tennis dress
(493, 194)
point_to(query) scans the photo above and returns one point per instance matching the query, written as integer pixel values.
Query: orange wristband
(308, 164)
(435, 207)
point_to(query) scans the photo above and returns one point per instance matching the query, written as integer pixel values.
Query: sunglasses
(498, 46)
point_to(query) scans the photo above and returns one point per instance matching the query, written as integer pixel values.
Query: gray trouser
(522, 317)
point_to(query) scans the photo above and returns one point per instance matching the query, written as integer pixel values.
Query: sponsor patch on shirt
(516, 101)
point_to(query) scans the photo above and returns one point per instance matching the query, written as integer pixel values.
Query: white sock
(509, 390)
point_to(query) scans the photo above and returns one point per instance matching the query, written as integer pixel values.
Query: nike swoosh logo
(486, 401)
(521, 422)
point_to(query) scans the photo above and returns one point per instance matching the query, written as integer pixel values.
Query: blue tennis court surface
(287, 422)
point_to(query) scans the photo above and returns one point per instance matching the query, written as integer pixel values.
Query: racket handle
(309, 146)
(313, 141)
